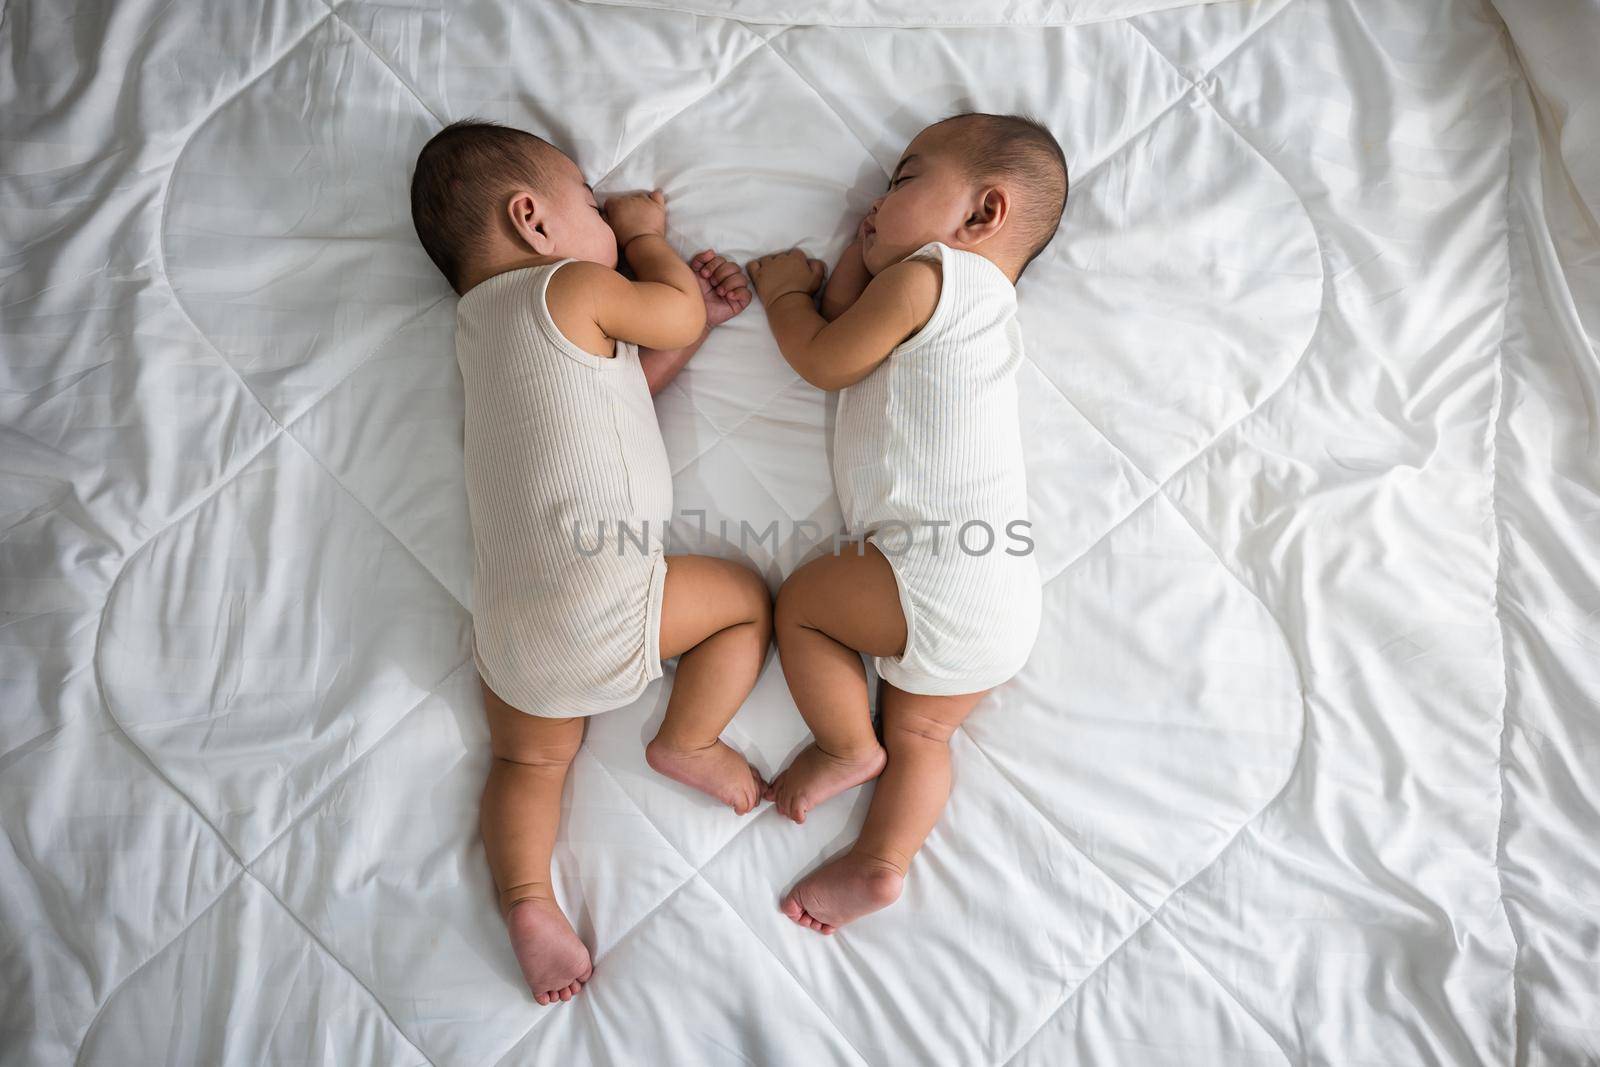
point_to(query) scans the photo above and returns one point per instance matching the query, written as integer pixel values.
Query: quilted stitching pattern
(339, 384)
(298, 359)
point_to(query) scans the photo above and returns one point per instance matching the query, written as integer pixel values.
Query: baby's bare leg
(717, 616)
(906, 802)
(519, 816)
(828, 612)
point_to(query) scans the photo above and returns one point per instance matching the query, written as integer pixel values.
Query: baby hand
(785, 272)
(723, 286)
(633, 214)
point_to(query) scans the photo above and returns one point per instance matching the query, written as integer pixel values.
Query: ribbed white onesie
(555, 436)
(934, 435)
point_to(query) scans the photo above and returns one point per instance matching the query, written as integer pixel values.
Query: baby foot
(841, 892)
(814, 776)
(554, 962)
(717, 771)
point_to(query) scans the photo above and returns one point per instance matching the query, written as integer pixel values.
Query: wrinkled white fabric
(1547, 495)
(1300, 769)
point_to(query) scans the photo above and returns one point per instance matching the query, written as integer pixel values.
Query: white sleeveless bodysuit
(933, 436)
(564, 622)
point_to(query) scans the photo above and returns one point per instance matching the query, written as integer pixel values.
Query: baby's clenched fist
(633, 214)
(781, 273)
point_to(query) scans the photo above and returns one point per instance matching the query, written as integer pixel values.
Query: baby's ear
(525, 212)
(989, 213)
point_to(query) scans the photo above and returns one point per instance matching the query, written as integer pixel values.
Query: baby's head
(992, 184)
(485, 197)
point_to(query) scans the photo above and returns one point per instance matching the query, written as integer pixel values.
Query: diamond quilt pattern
(1241, 806)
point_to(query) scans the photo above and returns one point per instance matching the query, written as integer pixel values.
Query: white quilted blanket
(1302, 769)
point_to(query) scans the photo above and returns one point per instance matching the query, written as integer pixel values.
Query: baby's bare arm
(591, 302)
(847, 282)
(662, 309)
(833, 355)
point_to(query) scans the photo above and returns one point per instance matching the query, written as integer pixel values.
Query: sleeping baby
(918, 334)
(575, 603)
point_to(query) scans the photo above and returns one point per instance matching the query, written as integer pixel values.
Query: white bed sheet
(1301, 770)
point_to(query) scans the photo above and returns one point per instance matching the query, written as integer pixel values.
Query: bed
(1302, 769)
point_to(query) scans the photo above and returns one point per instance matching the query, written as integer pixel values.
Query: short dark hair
(461, 175)
(1023, 148)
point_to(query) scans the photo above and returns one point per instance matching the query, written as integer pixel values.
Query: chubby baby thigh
(852, 595)
(704, 595)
